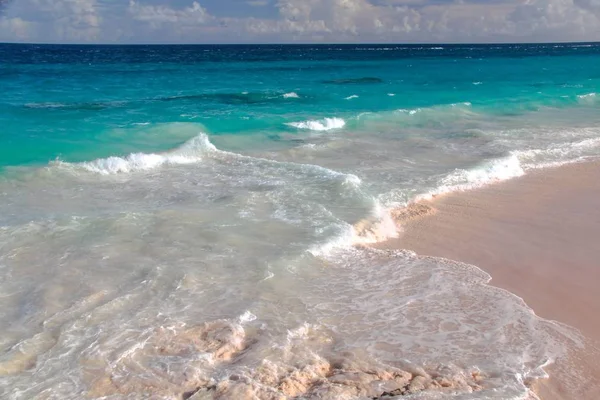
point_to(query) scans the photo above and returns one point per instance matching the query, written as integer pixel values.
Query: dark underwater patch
(355, 81)
(86, 106)
(231, 98)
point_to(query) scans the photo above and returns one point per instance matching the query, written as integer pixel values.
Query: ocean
(194, 221)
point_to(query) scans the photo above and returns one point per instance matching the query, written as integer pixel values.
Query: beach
(204, 221)
(537, 236)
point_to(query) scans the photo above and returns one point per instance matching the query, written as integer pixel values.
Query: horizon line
(302, 44)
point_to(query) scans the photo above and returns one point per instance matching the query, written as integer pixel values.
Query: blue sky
(298, 21)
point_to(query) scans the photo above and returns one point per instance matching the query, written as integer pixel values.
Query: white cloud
(415, 20)
(15, 28)
(73, 19)
(195, 14)
(304, 21)
(558, 19)
(52, 20)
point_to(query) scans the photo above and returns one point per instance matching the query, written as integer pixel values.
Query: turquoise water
(80, 103)
(180, 218)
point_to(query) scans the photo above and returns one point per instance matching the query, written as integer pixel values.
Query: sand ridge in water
(301, 372)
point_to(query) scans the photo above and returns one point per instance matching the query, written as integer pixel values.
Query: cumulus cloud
(304, 20)
(157, 15)
(57, 20)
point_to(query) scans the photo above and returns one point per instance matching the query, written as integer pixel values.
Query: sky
(298, 21)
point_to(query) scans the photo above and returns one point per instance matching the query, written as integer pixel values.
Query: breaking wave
(489, 172)
(589, 98)
(325, 124)
(190, 152)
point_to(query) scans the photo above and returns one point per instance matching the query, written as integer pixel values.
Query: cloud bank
(293, 21)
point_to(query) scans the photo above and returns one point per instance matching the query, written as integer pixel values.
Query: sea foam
(190, 152)
(325, 124)
(589, 98)
(492, 171)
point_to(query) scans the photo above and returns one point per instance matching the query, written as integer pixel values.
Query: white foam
(467, 179)
(352, 97)
(291, 95)
(409, 112)
(378, 227)
(190, 152)
(559, 154)
(247, 317)
(589, 98)
(300, 332)
(343, 240)
(325, 124)
(463, 104)
(477, 83)
(391, 94)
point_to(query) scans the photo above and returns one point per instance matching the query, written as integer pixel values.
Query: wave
(489, 172)
(325, 124)
(291, 95)
(385, 222)
(559, 154)
(351, 97)
(190, 152)
(463, 106)
(589, 98)
(421, 116)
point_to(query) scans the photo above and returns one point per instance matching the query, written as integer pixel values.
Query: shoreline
(536, 235)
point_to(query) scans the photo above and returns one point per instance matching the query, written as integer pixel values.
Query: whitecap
(409, 112)
(190, 152)
(588, 98)
(325, 124)
(351, 97)
(291, 95)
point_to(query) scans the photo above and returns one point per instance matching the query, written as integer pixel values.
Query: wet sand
(538, 236)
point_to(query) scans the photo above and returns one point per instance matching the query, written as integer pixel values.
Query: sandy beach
(537, 236)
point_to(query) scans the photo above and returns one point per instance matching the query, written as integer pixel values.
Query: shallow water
(186, 219)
